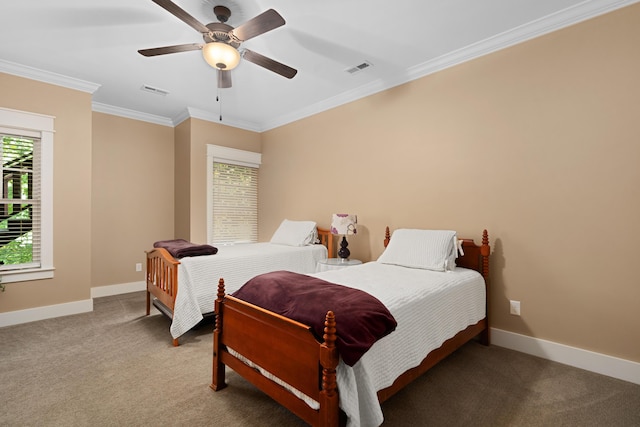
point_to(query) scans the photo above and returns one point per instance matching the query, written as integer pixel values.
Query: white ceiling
(92, 45)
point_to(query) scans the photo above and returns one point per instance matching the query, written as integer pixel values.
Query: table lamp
(344, 224)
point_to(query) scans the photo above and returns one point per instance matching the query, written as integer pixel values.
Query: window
(26, 219)
(232, 188)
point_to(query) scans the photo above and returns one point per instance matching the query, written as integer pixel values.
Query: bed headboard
(475, 257)
(326, 238)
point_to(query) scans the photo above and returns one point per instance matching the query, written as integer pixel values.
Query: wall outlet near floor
(514, 307)
(139, 266)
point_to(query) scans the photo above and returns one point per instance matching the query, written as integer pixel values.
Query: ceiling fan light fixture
(221, 55)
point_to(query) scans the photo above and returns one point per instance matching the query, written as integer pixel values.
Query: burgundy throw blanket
(361, 318)
(181, 248)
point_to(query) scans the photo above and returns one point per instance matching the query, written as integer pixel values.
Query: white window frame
(232, 156)
(14, 121)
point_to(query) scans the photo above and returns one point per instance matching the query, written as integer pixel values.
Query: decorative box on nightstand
(336, 264)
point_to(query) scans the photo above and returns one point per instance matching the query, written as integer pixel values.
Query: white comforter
(198, 276)
(430, 307)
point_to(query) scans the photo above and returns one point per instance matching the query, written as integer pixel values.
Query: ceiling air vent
(155, 90)
(360, 67)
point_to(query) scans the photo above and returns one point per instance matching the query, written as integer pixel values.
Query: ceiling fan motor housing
(219, 32)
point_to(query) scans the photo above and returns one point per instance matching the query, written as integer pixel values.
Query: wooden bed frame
(162, 276)
(288, 350)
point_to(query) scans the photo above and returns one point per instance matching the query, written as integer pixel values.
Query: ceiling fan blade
(170, 49)
(269, 64)
(224, 79)
(179, 13)
(262, 23)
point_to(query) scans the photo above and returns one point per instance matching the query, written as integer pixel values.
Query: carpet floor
(117, 367)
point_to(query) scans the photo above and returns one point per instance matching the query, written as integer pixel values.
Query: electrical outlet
(514, 307)
(139, 266)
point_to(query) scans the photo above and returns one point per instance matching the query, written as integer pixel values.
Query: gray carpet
(116, 367)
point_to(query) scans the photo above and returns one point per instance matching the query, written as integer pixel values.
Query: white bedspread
(430, 307)
(198, 276)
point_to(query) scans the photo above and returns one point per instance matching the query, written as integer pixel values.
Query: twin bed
(295, 246)
(439, 302)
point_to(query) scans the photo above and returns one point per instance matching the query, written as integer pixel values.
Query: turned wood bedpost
(147, 276)
(218, 380)
(329, 409)
(485, 249)
(387, 237)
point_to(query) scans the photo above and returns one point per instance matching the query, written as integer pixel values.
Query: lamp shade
(221, 55)
(344, 224)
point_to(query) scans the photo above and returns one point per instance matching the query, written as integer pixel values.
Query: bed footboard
(161, 277)
(291, 354)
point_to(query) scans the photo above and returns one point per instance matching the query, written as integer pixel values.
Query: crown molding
(131, 114)
(550, 23)
(586, 10)
(209, 116)
(47, 77)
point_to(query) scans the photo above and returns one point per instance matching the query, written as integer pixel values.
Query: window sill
(26, 275)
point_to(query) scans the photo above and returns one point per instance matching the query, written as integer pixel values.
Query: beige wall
(191, 171)
(72, 192)
(132, 202)
(182, 207)
(120, 184)
(537, 143)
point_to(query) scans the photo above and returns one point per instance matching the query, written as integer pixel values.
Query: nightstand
(336, 264)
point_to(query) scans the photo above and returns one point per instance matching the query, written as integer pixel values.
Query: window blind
(20, 205)
(235, 203)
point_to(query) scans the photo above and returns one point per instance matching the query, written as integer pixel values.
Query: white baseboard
(584, 359)
(47, 312)
(76, 307)
(124, 288)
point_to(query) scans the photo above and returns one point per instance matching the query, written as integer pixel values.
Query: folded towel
(181, 248)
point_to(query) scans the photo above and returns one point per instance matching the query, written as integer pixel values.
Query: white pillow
(426, 249)
(295, 233)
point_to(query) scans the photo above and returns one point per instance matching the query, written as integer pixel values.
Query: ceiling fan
(222, 41)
